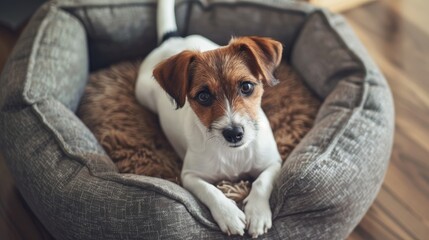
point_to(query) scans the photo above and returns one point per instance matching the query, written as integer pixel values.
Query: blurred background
(396, 34)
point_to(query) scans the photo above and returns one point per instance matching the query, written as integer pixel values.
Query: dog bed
(325, 186)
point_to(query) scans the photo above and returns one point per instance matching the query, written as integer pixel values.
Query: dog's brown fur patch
(222, 72)
(132, 137)
(219, 73)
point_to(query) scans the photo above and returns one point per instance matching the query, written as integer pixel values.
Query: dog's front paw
(258, 215)
(229, 217)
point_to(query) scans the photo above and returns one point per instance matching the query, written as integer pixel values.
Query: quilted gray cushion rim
(42, 28)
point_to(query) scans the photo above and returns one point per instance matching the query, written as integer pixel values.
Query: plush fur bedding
(132, 137)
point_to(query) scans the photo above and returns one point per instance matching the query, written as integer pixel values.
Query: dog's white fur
(207, 156)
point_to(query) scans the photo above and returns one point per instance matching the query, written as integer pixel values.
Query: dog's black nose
(233, 134)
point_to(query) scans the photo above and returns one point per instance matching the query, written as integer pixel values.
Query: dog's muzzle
(233, 134)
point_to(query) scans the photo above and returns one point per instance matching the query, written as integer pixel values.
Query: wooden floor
(396, 33)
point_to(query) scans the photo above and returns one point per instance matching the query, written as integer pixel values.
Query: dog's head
(224, 86)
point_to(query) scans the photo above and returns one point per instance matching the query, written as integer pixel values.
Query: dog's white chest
(230, 165)
(214, 165)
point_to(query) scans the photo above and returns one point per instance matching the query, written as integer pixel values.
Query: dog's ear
(262, 54)
(173, 74)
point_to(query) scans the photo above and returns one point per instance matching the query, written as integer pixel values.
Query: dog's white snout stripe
(231, 118)
(228, 110)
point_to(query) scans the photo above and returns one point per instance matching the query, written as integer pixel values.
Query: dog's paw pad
(258, 227)
(230, 218)
(258, 217)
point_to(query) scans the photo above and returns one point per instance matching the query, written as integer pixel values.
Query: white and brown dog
(218, 128)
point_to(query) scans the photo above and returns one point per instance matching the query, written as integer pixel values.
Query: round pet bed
(325, 187)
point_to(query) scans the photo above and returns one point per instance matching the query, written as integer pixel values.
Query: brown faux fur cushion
(132, 137)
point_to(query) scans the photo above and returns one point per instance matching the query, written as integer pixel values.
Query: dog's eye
(246, 88)
(204, 98)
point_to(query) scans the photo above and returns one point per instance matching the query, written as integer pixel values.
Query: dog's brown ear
(173, 74)
(263, 56)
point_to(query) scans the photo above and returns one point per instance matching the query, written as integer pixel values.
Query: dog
(217, 125)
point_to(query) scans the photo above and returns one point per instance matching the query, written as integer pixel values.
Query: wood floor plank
(398, 183)
(414, 11)
(418, 135)
(7, 230)
(358, 234)
(412, 153)
(411, 167)
(379, 225)
(399, 213)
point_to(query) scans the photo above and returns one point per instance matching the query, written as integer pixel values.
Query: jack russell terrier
(218, 127)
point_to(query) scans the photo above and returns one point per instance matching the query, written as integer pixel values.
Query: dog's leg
(257, 207)
(225, 212)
